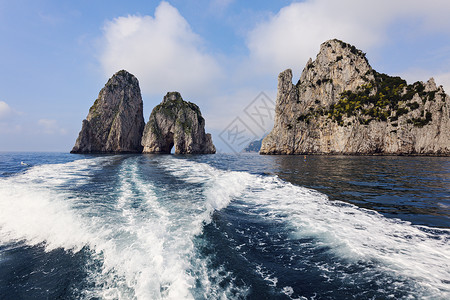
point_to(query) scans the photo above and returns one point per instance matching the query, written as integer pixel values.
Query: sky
(224, 55)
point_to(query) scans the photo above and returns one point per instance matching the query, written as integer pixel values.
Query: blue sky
(55, 56)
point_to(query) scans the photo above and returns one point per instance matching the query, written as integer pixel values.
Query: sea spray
(416, 256)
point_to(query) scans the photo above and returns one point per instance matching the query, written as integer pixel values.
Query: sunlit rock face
(176, 123)
(115, 121)
(341, 105)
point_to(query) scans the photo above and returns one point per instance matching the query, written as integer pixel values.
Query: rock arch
(176, 123)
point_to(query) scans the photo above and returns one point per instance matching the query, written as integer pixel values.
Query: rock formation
(341, 105)
(178, 123)
(115, 122)
(254, 146)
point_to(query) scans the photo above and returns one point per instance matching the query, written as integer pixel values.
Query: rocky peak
(115, 121)
(122, 77)
(176, 123)
(430, 85)
(338, 67)
(172, 96)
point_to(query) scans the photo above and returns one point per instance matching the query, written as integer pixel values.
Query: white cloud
(50, 126)
(5, 110)
(8, 121)
(162, 51)
(294, 34)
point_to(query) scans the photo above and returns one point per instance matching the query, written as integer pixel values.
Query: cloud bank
(5, 110)
(166, 54)
(162, 51)
(288, 38)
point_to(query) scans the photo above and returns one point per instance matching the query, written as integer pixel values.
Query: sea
(240, 226)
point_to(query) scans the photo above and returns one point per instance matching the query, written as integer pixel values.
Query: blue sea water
(223, 227)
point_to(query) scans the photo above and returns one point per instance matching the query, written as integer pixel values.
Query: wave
(140, 228)
(34, 207)
(417, 257)
(139, 237)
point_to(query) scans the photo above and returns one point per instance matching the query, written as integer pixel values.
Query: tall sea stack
(115, 122)
(341, 105)
(176, 123)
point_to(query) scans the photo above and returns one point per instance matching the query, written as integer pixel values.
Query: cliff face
(178, 123)
(115, 122)
(341, 105)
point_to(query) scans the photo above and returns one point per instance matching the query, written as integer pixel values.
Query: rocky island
(115, 123)
(178, 123)
(341, 105)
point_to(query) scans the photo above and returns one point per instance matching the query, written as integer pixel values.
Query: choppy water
(223, 227)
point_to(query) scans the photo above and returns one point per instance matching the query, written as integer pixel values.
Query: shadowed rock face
(115, 122)
(341, 105)
(178, 123)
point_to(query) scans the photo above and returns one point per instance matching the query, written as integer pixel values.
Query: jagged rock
(341, 105)
(115, 122)
(178, 123)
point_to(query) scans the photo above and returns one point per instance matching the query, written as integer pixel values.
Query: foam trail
(353, 234)
(221, 186)
(140, 237)
(210, 198)
(31, 209)
(147, 254)
(40, 208)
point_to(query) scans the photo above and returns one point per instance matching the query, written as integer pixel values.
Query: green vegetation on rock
(385, 98)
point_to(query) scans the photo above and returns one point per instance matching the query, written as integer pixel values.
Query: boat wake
(141, 222)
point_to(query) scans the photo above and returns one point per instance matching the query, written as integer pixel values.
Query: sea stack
(115, 122)
(341, 105)
(175, 122)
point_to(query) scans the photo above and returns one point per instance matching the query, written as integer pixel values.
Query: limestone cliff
(115, 122)
(341, 105)
(178, 123)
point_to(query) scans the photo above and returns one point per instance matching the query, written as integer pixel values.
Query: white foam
(31, 209)
(359, 234)
(142, 235)
(176, 218)
(147, 254)
(354, 234)
(138, 252)
(221, 186)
